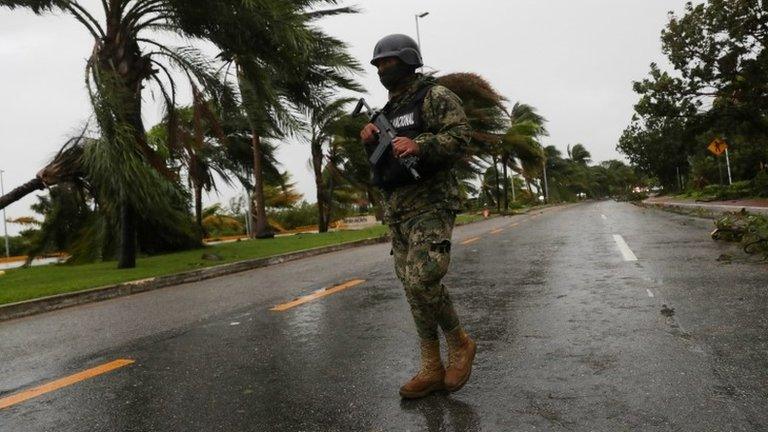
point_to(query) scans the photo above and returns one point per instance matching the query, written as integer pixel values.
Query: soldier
(431, 125)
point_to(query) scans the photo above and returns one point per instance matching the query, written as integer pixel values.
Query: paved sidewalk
(759, 206)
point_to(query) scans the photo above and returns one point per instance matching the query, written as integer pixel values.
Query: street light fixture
(418, 35)
(5, 223)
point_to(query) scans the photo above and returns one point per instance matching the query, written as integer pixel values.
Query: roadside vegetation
(716, 89)
(755, 188)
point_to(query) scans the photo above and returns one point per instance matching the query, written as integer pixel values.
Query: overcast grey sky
(574, 60)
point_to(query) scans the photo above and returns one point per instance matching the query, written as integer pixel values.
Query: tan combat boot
(461, 354)
(430, 376)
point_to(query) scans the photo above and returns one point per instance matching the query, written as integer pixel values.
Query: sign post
(5, 222)
(718, 146)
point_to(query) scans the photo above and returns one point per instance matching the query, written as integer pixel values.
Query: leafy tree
(718, 89)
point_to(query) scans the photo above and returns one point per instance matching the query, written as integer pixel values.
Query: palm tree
(485, 112)
(198, 146)
(323, 124)
(65, 167)
(347, 170)
(579, 154)
(291, 67)
(129, 176)
(520, 141)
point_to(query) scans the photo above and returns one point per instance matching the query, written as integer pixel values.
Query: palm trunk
(20, 192)
(127, 253)
(317, 166)
(260, 230)
(199, 209)
(331, 186)
(128, 216)
(506, 188)
(498, 190)
(121, 56)
(329, 207)
(128, 233)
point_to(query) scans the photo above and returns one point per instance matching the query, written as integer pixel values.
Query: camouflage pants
(421, 246)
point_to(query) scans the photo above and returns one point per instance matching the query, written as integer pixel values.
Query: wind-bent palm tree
(323, 125)
(484, 107)
(347, 170)
(193, 139)
(128, 176)
(579, 154)
(521, 141)
(65, 167)
(292, 66)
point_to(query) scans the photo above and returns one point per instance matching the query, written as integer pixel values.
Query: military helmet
(400, 46)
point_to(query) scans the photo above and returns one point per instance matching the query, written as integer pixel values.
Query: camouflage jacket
(444, 142)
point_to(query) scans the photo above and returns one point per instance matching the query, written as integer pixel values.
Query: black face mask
(394, 76)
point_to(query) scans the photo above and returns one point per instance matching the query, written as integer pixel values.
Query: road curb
(686, 211)
(61, 301)
(705, 212)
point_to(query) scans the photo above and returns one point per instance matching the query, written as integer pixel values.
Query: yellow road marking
(63, 382)
(316, 295)
(514, 224)
(472, 240)
(496, 231)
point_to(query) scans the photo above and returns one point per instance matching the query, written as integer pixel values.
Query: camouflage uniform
(421, 216)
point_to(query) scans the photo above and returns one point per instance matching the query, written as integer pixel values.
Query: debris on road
(751, 230)
(667, 311)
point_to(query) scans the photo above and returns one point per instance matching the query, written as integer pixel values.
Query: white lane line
(603, 216)
(650, 293)
(626, 252)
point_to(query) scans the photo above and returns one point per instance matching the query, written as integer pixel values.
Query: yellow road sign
(717, 146)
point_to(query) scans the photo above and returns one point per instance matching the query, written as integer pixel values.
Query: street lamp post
(418, 35)
(5, 223)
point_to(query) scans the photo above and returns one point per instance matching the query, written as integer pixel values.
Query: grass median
(36, 282)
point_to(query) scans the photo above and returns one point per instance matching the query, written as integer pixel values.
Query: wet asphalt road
(573, 335)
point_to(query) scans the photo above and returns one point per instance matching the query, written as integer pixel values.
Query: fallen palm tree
(65, 167)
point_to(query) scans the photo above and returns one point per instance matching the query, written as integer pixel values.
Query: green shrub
(760, 184)
(740, 189)
(17, 245)
(301, 215)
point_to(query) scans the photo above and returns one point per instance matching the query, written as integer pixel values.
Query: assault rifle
(385, 136)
